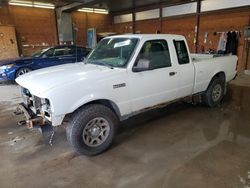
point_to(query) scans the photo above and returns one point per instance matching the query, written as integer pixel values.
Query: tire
(92, 129)
(215, 92)
(22, 71)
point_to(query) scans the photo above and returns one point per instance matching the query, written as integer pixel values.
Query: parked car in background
(13, 68)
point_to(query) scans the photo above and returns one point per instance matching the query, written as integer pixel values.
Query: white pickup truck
(123, 76)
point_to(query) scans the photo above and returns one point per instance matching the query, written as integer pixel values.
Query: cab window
(48, 53)
(157, 52)
(61, 51)
(181, 51)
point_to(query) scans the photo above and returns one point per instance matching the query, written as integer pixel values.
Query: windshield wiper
(101, 63)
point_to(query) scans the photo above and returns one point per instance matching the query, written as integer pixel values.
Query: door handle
(172, 73)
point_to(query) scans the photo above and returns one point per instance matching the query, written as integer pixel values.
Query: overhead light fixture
(31, 4)
(21, 3)
(94, 10)
(43, 5)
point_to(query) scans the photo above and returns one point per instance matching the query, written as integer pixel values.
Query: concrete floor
(181, 146)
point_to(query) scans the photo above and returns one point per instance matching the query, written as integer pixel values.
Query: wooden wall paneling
(183, 26)
(5, 18)
(122, 28)
(8, 47)
(102, 22)
(83, 21)
(148, 26)
(248, 58)
(34, 26)
(80, 21)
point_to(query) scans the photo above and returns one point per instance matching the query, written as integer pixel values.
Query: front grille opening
(31, 103)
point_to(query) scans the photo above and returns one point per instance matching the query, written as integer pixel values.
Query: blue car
(12, 68)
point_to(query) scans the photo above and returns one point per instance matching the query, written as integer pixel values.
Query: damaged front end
(37, 113)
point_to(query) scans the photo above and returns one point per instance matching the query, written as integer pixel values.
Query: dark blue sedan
(12, 68)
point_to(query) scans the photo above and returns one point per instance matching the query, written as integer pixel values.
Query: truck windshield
(113, 52)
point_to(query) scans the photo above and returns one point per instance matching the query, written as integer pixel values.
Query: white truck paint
(68, 87)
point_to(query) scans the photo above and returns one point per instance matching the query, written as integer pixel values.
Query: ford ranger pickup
(123, 76)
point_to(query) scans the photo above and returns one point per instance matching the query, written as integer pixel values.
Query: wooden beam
(160, 7)
(133, 17)
(197, 25)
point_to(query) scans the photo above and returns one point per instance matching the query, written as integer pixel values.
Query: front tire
(215, 92)
(92, 129)
(22, 71)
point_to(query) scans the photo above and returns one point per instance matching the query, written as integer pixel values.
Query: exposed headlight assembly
(46, 105)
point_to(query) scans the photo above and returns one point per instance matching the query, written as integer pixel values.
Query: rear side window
(181, 51)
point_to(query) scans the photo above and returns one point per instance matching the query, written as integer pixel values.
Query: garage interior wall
(235, 20)
(83, 21)
(121, 28)
(210, 22)
(147, 26)
(182, 26)
(36, 28)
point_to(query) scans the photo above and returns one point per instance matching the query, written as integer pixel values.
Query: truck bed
(200, 57)
(206, 66)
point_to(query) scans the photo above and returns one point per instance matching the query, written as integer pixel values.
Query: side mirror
(142, 65)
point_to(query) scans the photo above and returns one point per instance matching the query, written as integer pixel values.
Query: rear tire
(215, 92)
(92, 129)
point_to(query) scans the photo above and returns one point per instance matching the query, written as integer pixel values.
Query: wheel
(22, 71)
(92, 129)
(215, 92)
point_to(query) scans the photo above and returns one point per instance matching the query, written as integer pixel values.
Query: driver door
(157, 85)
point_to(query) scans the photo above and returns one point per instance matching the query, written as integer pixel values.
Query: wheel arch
(21, 68)
(220, 74)
(106, 102)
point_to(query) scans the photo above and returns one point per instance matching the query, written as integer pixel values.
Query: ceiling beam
(70, 7)
(150, 6)
(77, 5)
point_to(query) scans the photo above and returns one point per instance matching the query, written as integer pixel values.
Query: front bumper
(3, 77)
(38, 107)
(34, 121)
(7, 75)
(31, 119)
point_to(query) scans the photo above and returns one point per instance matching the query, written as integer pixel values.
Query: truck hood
(40, 81)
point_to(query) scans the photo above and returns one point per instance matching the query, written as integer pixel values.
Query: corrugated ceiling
(111, 5)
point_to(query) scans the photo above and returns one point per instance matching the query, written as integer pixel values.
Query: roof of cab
(147, 36)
